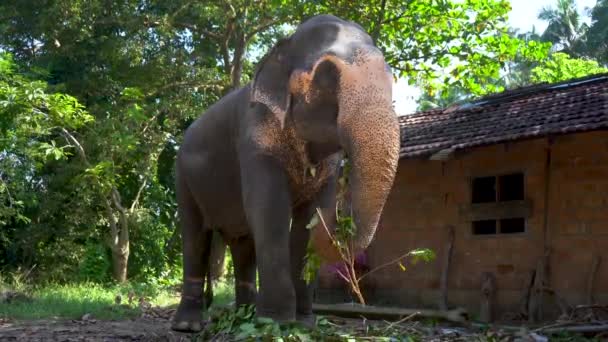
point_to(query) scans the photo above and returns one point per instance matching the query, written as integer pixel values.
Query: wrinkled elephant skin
(256, 165)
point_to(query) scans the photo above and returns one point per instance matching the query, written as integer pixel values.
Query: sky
(523, 16)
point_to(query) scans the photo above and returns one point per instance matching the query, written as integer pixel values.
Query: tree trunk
(237, 62)
(120, 260)
(119, 238)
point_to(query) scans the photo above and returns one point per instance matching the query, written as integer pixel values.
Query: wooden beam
(497, 210)
(374, 312)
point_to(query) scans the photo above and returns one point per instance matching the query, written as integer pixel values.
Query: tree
(597, 43)
(565, 30)
(441, 99)
(561, 67)
(517, 73)
(34, 123)
(138, 83)
(440, 44)
(146, 69)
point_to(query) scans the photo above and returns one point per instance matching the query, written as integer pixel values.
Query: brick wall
(430, 195)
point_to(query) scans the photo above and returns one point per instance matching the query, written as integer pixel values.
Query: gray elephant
(260, 161)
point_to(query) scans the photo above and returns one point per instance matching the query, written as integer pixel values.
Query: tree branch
(8, 193)
(215, 85)
(117, 200)
(136, 199)
(177, 11)
(263, 27)
(77, 144)
(385, 265)
(395, 18)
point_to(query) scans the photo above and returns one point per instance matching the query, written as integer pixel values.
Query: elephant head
(333, 85)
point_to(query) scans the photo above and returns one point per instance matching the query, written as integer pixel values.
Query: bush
(96, 264)
(148, 260)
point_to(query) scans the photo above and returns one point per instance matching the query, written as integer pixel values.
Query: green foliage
(242, 325)
(95, 265)
(561, 67)
(32, 120)
(148, 259)
(424, 254)
(311, 266)
(442, 44)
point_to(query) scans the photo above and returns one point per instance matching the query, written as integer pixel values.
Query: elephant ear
(270, 82)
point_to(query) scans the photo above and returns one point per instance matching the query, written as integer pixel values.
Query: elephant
(263, 159)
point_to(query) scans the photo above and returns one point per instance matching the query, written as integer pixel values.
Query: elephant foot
(189, 316)
(307, 320)
(280, 318)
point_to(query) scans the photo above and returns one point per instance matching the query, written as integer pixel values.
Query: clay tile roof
(573, 106)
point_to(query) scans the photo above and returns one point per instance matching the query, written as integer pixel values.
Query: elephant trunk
(370, 137)
(368, 131)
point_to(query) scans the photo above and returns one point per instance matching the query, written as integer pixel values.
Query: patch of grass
(223, 293)
(74, 300)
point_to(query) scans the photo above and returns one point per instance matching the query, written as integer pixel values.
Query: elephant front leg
(267, 205)
(300, 236)
(299, 241)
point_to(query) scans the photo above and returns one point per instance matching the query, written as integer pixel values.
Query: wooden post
(488, 290)
(595, 264)
(443, 300)
(525, 300)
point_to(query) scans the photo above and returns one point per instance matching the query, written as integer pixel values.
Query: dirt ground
(137, 329)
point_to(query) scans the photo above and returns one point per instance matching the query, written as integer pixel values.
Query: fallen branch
(579, 329)
(404, 319)
(355, 310)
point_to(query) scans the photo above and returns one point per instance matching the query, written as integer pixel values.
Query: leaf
(314, 220)
(247, 328)
(265, 320)
(401, 266)
(313, 171)
(132, 93)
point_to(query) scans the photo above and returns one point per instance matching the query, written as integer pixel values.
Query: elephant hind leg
(215, 270)
(196, 244)
(243, 256)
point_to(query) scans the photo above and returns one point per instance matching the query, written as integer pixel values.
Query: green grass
(68, 301)
(72, 301)
(223, 293)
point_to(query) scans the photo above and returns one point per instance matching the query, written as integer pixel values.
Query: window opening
(496, 189)
(484, 227)
(513, 225)
(484, 189)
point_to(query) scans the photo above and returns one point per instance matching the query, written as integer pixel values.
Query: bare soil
(136, 329)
